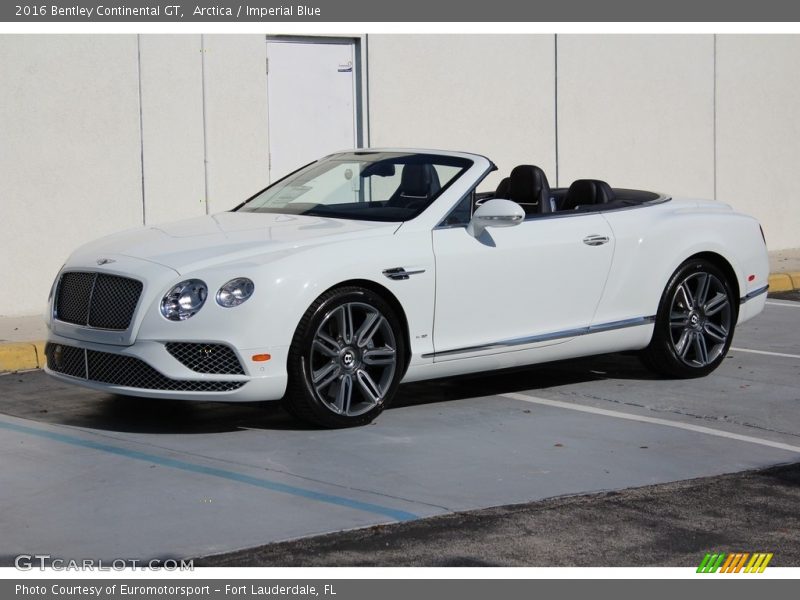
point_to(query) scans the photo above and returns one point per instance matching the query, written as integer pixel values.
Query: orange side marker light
(261, 357)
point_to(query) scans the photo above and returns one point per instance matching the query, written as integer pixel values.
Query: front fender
(286, 285)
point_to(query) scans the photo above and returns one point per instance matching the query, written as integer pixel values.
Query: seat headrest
(583, 192)
(419, 180)
(502, 190)
(528, 185)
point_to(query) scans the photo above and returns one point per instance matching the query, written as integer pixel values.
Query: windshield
(370, 186)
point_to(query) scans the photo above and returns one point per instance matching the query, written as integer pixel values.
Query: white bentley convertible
(372, 267)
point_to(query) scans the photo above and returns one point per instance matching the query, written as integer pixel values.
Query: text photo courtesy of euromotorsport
(168, 10)
(186, 591)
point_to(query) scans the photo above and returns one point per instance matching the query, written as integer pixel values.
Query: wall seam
(357, 46)
(555, 98)
(366, 90)
(141, 123)
(269, 117)
(205, 124)
(714, 128)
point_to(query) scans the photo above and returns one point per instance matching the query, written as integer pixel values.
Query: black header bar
(266, 11)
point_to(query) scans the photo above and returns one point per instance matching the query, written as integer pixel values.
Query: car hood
(211, 240)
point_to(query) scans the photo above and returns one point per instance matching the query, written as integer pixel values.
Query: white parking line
(651, 420)
(783, 354)
(784, 304)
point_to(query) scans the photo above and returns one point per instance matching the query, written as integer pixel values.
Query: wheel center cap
(697, 320)
(348, 358)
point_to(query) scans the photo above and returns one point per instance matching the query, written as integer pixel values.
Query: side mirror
(495, 213)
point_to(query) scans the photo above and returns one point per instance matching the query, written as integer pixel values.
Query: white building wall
(70, 164)
(204, 98)
(758, 131)
(490, 94)
(637, 111)
(75, 154)
(172, 127)
(237, 138)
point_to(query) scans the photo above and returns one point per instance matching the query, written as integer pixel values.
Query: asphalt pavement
(666, 525)
(560, 446)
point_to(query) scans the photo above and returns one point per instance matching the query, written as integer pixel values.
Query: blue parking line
(397, 515)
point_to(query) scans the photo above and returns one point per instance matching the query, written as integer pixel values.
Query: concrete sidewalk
(22, 348)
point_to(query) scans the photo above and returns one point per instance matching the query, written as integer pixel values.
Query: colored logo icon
(737, 562)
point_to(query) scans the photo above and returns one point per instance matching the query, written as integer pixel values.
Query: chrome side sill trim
(754, 294)
(546, 337)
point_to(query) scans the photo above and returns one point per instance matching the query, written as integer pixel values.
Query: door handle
(595, 240)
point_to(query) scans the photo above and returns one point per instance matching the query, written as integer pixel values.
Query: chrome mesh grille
(218, 359)
(72, 299)
(97, 300)
(127, 371)
(113, 301)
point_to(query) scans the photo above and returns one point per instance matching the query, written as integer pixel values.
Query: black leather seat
(587, 192)
(502, 190)
(529, 188)
(418, 184)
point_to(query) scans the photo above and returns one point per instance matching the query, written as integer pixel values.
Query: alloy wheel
(353, 359)
(700, 319)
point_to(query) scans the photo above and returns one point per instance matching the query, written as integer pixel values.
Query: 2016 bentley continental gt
(372, 267)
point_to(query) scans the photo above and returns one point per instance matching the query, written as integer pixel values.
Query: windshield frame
(397, 157)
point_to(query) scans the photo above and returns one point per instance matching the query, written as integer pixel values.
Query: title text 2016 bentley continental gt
(371, 267)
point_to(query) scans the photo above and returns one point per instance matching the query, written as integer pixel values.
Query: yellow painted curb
(21, 356)
(40, 357)
(784, 282)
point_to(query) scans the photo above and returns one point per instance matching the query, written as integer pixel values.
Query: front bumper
(147, 369)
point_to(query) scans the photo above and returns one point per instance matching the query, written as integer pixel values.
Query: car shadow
(529, 378)
(34, 396)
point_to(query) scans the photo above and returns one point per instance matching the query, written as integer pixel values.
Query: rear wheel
(695, 322)
(346, 359)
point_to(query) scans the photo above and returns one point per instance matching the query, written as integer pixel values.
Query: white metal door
(538, 278)
(312, 108)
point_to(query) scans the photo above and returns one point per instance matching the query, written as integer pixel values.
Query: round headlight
(184, 300)
(235, 292)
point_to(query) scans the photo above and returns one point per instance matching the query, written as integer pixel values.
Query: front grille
(127, 371)
(73, 297)
(66, 359)
(97, 300)
(218, 359)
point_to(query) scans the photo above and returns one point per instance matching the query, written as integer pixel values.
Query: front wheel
(346, 359)
(695, 322)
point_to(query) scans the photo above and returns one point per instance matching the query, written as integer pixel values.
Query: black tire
(695, 322)
(337, 377)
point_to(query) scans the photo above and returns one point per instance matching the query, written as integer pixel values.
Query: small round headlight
(184, 300)
(235, 292)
